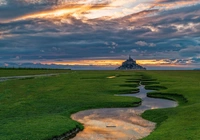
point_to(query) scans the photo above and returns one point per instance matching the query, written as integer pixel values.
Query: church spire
(129, 58)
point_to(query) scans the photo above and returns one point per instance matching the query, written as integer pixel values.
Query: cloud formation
(143, 43)
(64, 30)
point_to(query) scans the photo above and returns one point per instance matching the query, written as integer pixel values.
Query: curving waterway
(120, 123)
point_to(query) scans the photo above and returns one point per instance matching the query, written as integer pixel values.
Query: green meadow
(182, 122)
(40, 108)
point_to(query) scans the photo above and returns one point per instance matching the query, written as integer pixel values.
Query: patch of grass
(156, 115)
(133, 81)
(129, 85)
(155, 87)
(170, 96)
(128, 91)
(149, 82)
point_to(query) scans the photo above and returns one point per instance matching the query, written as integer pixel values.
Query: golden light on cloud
(76, 10)
(103, 9)
(52, 13)
(87, 9)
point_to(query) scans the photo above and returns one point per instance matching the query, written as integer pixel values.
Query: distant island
(130, 64)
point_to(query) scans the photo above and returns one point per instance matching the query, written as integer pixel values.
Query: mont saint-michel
(130, 64)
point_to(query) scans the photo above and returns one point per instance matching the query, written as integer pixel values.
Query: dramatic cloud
(191, 51)
(81, 31)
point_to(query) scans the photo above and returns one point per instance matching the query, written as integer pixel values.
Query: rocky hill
(130, 64)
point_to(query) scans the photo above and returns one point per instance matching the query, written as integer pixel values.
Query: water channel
(120, 123)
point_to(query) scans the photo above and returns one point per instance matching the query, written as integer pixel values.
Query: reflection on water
(119, 123)
(150, 103)
(111, 77)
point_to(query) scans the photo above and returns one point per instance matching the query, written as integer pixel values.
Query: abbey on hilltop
(130, 64)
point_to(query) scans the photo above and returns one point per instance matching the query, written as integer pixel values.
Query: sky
(100, 34)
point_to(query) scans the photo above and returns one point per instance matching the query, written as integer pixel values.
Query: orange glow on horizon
(153, 62)
(88, 62)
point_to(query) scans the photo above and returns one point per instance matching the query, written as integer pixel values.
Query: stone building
(130, 64)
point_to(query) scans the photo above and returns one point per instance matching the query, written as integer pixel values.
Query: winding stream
(120, 123)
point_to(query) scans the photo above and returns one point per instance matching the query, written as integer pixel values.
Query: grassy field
(22, 72)
(182, 122)
(40, 108)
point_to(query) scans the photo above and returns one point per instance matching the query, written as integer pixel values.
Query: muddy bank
(68, 135)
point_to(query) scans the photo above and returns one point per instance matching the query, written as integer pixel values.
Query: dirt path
(2, 79)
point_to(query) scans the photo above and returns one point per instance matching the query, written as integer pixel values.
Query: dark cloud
(173, 1)
(191, 51)
(148, 34)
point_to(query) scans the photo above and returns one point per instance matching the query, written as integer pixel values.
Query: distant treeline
(13, 68)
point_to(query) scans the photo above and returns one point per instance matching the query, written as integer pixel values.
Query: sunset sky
(159, 34)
